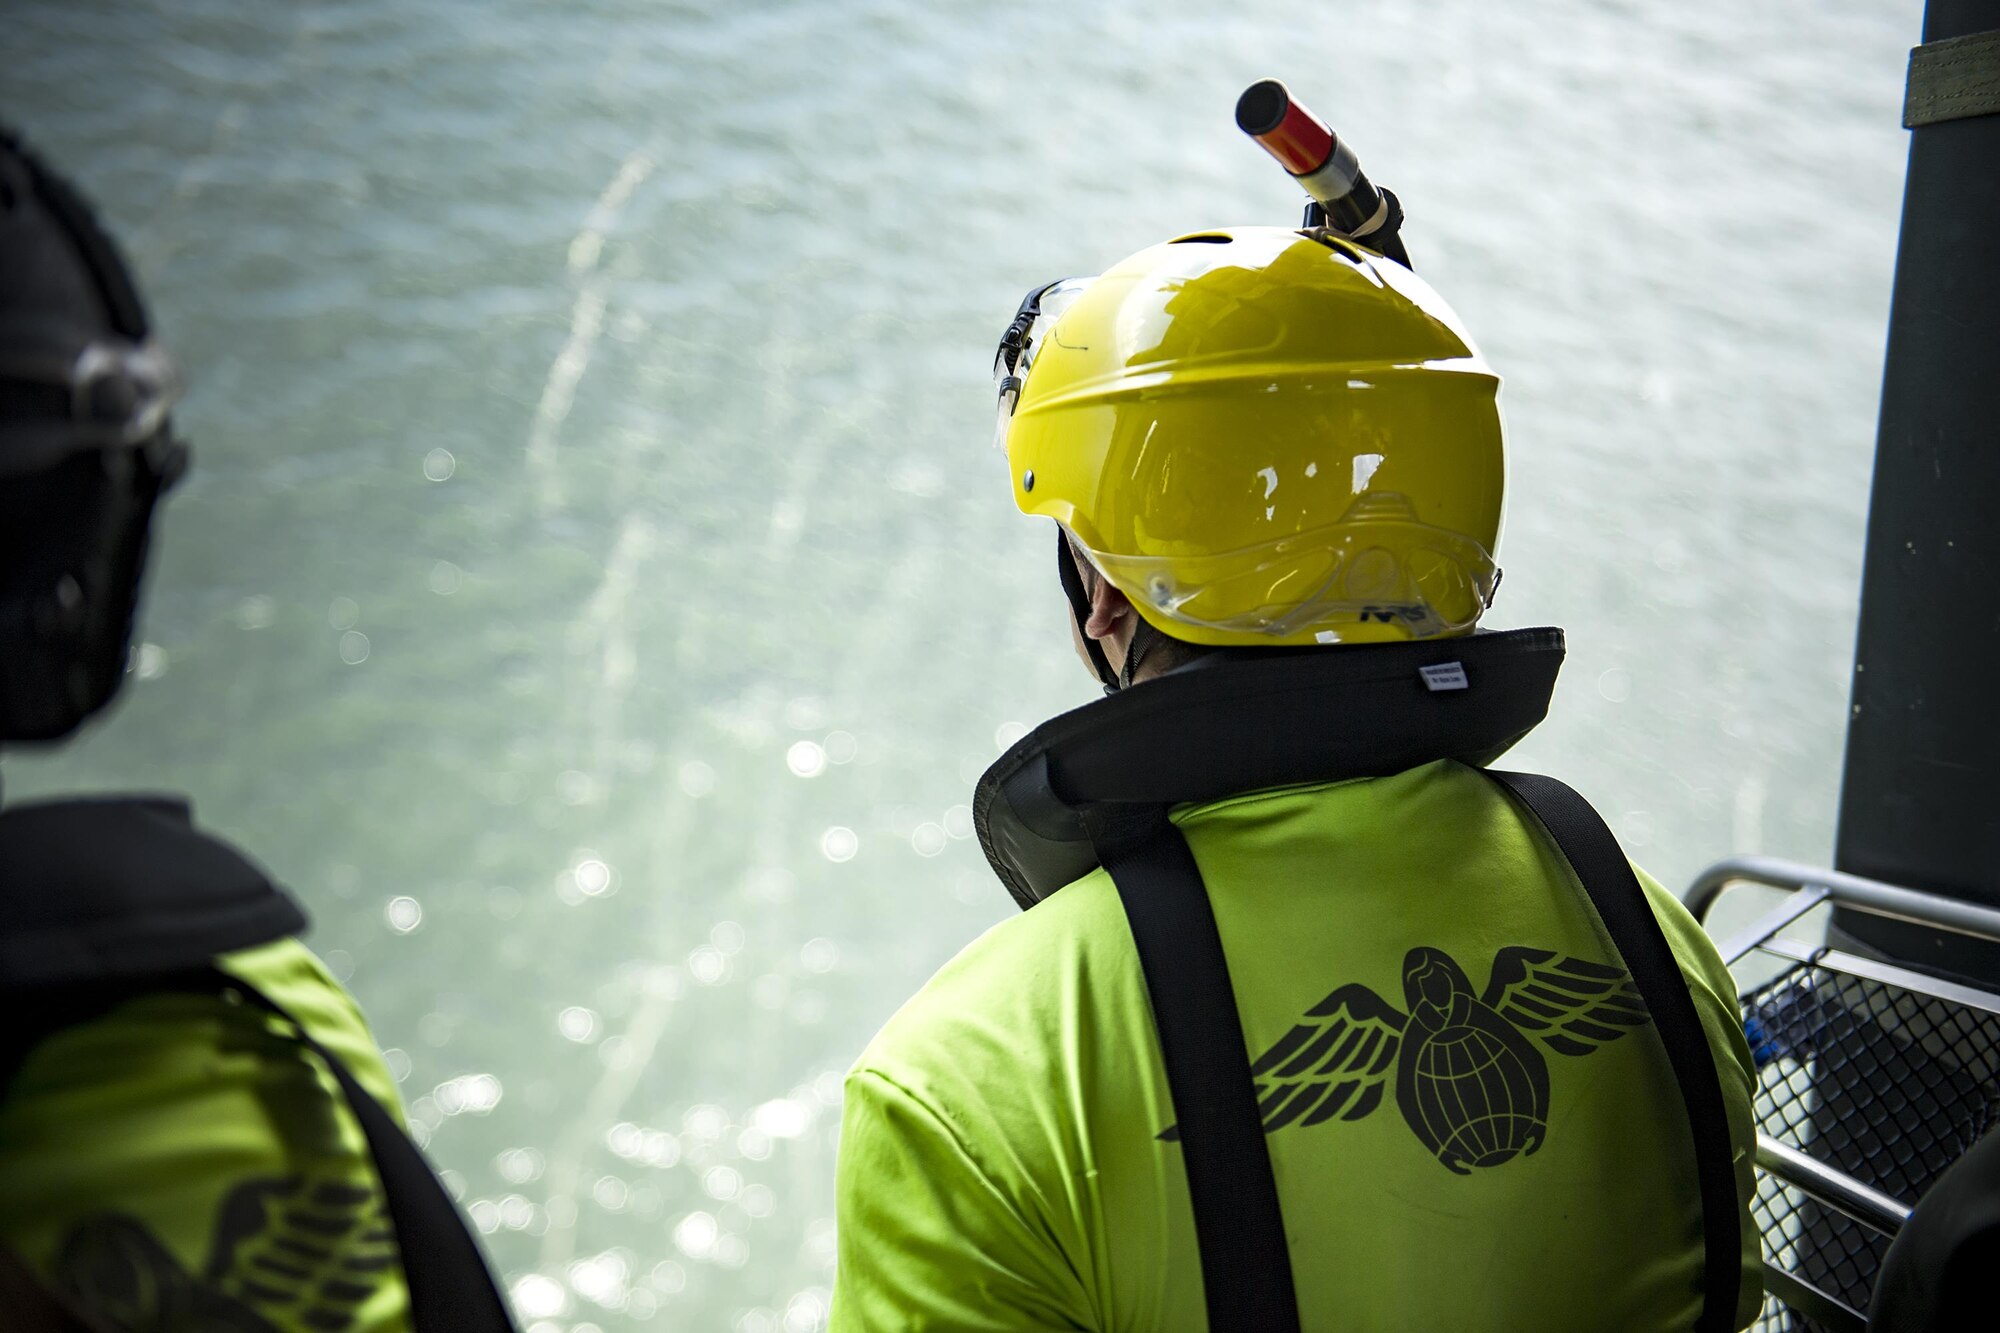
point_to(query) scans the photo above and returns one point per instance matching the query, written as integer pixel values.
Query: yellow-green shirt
(180, 1157)
(1002, 1164)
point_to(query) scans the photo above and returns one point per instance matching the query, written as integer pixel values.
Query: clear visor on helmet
(1022, 343)
(1377, 563)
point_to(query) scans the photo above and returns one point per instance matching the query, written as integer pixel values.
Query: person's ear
(1109, 610)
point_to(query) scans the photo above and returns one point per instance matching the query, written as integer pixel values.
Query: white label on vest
(1444, 676)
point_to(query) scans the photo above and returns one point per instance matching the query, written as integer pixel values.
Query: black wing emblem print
(302, 1250)
(1470, 1080)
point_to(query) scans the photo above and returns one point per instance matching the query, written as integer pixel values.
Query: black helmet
(86, 449)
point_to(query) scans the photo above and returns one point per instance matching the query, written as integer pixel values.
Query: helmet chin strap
(1144, 636)
(1079, 608)
(1073, 587)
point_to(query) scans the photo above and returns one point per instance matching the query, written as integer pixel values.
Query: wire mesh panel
(1885, 1083)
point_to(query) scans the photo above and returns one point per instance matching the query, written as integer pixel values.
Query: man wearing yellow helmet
(1315, 1022)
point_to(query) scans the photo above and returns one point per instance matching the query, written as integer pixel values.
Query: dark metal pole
(1920, 798)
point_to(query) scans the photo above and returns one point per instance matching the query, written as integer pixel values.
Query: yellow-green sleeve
(928, 1239)
(1714, 992)
(294, 978)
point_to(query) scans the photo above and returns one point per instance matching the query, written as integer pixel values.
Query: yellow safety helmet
(1262, 437)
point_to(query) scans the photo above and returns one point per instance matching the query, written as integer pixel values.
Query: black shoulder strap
(450, 1286)
(103, 900)
(1246, 1267)
(1581, 835)
(1239, 1223)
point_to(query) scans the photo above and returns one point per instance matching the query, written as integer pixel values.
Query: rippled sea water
(595, 595)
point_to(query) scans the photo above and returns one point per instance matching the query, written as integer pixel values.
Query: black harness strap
(1239, 1222)
(450, 1286)
(1246, 1266)
(1607, 877)
(110, 899)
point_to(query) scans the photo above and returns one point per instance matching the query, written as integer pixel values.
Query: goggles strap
(1079, 608)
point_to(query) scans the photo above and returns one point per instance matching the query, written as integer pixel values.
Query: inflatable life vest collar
(1251, 720)
(104, 889)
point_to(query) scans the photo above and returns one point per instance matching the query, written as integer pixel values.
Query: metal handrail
(1823, 1308)
(1760, 932)
(1888, 974)
(1845, 890)
(1832, 1186)
(1811, 887)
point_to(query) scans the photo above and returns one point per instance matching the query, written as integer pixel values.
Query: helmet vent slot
(1201, 238)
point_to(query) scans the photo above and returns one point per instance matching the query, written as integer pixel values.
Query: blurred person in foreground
(197, 1131)
(1403, 1043)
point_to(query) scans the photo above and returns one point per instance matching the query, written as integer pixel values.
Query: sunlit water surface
(595, 596)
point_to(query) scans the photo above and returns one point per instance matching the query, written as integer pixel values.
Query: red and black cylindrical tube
(1326, 168)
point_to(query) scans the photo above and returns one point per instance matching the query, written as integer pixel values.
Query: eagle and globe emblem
(304, 1251)
(1468, 1067)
